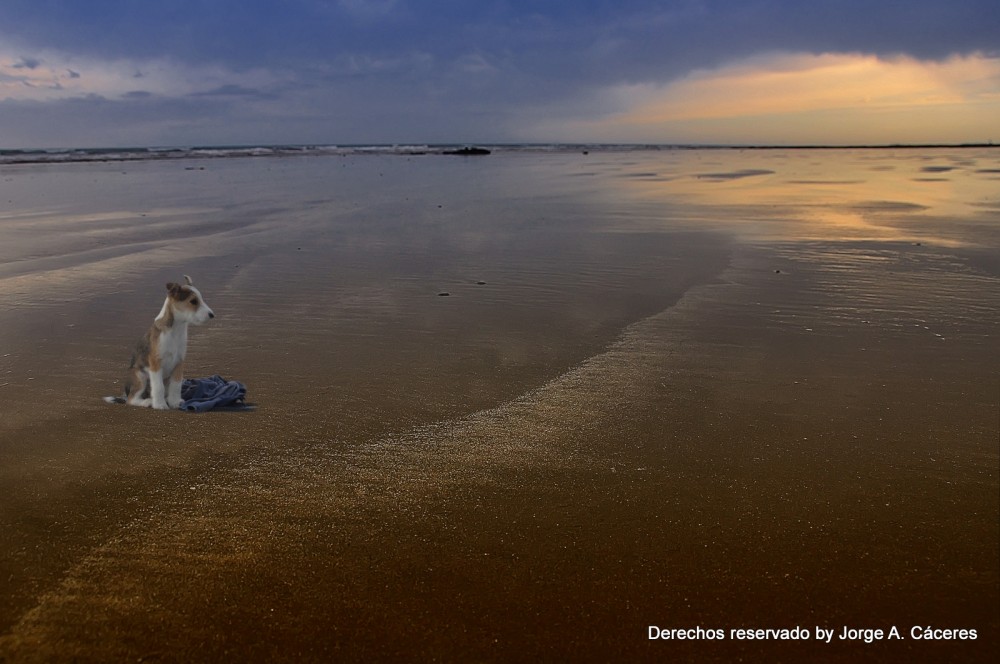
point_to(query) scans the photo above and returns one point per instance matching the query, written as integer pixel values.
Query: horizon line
(501, 144)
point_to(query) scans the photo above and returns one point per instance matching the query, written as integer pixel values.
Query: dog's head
(187, 303)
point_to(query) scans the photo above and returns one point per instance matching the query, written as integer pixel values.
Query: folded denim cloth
(215, 392)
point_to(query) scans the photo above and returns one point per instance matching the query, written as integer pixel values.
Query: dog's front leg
(174, 388)
(156, 389)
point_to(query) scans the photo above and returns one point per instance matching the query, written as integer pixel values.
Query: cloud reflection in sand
(791, 195)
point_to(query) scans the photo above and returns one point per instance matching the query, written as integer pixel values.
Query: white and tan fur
(157, 369)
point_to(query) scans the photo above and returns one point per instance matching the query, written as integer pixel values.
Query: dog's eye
(194, 301)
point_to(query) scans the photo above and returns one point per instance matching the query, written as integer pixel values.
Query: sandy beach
(519, 407)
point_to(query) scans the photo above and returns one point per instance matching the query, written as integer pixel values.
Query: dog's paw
(173, 404)
(160, 405)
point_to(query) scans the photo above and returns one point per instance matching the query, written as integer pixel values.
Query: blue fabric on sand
(202, 394)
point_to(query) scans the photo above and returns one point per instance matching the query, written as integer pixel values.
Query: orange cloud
(843, 97)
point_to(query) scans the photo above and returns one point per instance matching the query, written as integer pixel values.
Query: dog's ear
(174, 289)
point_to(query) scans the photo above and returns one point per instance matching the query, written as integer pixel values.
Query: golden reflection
(933, 197)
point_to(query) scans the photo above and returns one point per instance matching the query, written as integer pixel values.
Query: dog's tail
(114, 399)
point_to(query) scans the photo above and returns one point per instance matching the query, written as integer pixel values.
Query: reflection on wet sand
(806, 194)
(761, 399)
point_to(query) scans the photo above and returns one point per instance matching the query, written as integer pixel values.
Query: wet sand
(717, 389)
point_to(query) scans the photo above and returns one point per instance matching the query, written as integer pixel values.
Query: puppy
(157, 368)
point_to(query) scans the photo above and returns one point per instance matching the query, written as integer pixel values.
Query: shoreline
(30, 156)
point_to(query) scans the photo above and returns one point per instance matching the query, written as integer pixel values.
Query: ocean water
(70, 155)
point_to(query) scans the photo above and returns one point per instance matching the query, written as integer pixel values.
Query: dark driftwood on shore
(468, 151)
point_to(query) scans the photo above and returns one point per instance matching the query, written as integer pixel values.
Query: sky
(237, 72)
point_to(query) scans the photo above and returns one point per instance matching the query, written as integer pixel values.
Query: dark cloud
(626, 33)
(565, 43)
(231, 90)
(27, 63)
(386, 67)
